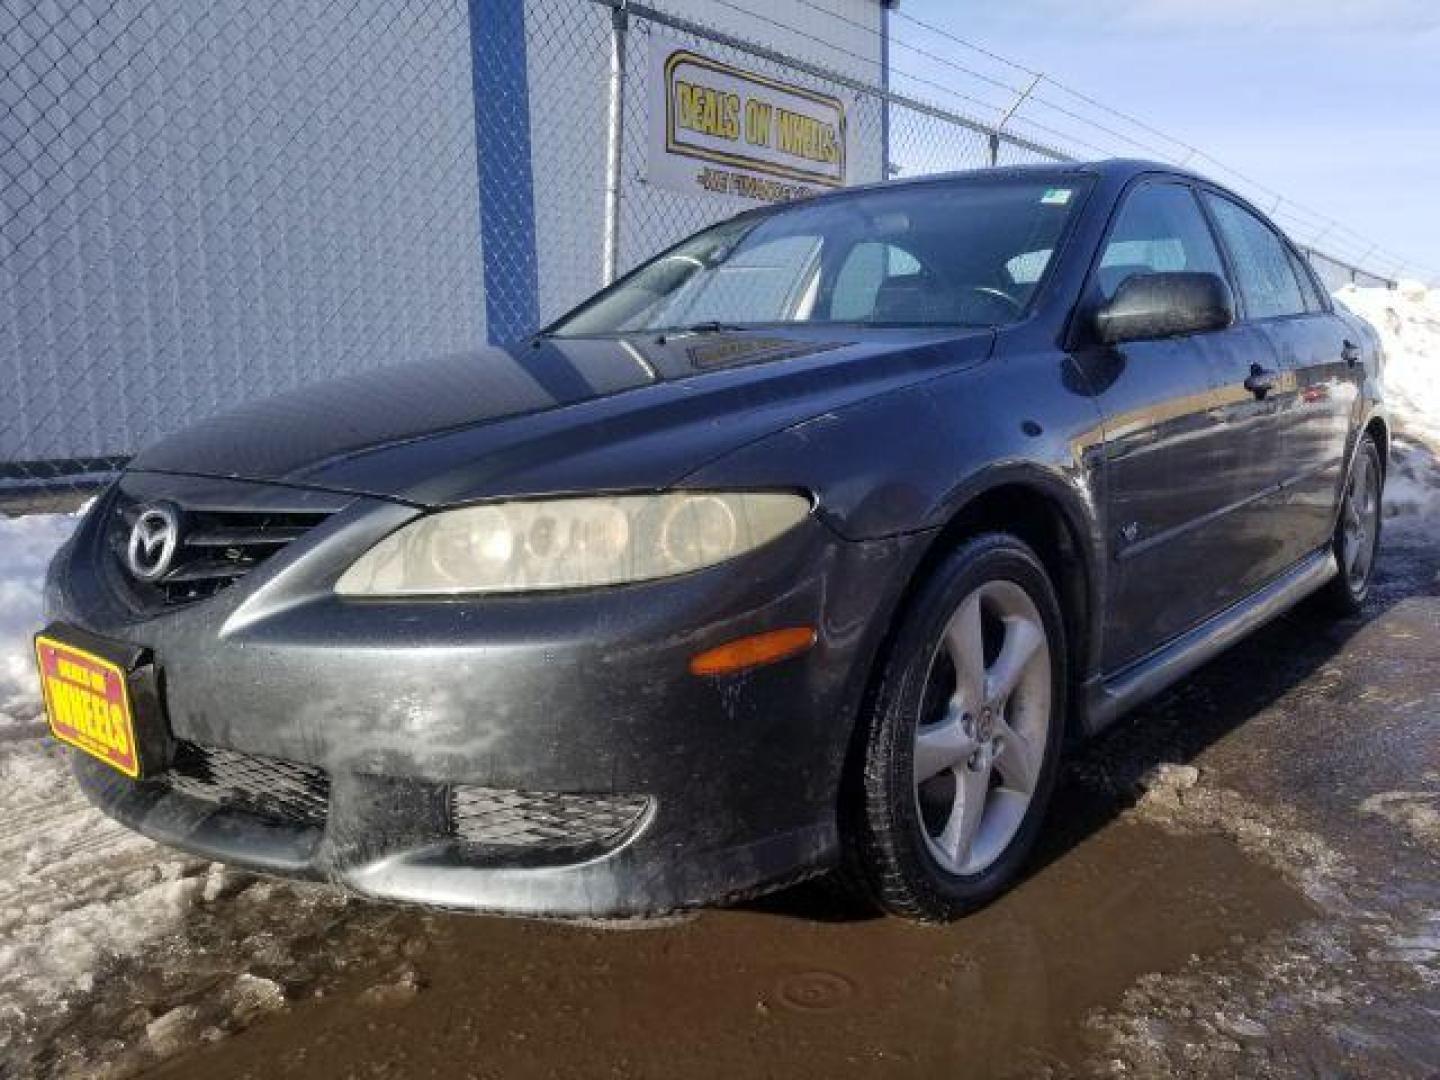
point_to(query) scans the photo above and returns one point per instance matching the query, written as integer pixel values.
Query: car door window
(1261, 260)
(1159, 229)
(1314, 302)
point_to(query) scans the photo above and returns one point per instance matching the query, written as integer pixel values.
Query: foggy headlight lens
(570, 543)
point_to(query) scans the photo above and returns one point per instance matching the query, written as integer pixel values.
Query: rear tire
(963, 736)
(1357, 532)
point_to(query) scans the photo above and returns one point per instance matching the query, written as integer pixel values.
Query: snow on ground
(1240, 1013)
(1408, 319)
(115, 952)
(26, 544)
(76, 889)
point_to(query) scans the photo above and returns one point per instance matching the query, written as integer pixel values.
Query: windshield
(968, 253)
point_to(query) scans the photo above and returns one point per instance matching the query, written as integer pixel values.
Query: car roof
(1119, 170)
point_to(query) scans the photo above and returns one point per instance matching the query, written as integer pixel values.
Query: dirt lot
(1241, 880)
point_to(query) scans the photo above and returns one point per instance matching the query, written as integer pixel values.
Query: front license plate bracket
(135, 666)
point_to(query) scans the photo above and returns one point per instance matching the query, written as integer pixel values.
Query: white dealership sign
(717, 128)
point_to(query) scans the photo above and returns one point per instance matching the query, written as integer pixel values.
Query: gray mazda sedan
(811, 544)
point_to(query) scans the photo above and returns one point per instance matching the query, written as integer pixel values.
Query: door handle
(1350, 353)
(1261, 381)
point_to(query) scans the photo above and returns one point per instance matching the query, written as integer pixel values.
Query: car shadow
(1101, 779)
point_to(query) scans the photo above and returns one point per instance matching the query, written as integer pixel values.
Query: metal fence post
(1009, 113)
(615, 132)
(885, 173)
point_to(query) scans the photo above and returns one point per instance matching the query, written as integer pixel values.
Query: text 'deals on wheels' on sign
(717, 128)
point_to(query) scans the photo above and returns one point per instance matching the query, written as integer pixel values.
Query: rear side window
(1159, 229)
(1262, 261)
(1314, 302)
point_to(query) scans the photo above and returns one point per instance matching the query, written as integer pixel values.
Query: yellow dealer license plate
(87, 702)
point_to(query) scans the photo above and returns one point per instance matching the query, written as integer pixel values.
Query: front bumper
(403, 707)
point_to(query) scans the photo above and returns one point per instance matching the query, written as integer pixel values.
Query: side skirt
(1107, 698)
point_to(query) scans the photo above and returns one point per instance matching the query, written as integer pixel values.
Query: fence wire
(201, 204)
(204, 204)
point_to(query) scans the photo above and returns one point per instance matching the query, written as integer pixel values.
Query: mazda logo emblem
(153, 540)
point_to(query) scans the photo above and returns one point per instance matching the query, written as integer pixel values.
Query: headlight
(570, 543)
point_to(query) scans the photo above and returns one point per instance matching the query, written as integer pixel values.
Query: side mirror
(1162, 305)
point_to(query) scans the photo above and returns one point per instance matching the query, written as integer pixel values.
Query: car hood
(555, 416)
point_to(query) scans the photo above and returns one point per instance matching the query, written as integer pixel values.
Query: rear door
(1306, 417)
(1167, 455)
(1325, 353)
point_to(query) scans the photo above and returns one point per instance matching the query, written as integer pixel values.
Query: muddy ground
(1240, 880)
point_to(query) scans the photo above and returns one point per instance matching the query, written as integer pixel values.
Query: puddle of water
(768, 991)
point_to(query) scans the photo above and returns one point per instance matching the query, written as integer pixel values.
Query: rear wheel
(1357, 533)
(963, 736)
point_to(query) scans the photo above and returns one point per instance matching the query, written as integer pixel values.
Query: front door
(1168, 454)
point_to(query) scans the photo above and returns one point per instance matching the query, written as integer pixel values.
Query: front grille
(284, 792)
(546, 822)
(217, 548)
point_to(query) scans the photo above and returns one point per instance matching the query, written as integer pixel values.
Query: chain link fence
(203, 204)
(921, 138)
(1335, 273)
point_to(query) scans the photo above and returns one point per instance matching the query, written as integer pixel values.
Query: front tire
(963, 735)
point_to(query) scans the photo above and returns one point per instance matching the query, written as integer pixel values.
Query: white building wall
(843, 35)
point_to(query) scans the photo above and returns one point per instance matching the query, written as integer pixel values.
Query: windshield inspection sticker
(1056, 196)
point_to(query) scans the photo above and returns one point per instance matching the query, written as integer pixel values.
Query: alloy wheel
(1360, 527)
(980, 741)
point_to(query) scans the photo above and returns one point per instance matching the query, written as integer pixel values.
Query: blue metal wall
(507, 194)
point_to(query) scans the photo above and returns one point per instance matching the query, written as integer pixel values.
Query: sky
(1333, 103)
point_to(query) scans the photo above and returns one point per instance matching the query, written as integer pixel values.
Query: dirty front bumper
(548, 754)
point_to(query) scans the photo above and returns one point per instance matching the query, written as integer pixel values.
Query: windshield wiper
(706, 326)
(710, 326)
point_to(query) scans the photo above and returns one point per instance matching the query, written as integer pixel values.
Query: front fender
(913, 460)
(909, 460)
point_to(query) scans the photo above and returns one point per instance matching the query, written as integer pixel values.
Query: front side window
(1262, 261)
(956, 253)
(1159, 230)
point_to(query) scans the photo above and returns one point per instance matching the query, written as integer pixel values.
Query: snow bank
(26, 545)
(1408, 319)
